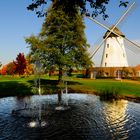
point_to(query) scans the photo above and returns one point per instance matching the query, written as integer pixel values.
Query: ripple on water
(87, 119)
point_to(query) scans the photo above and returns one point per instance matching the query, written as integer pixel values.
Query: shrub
(109, 94)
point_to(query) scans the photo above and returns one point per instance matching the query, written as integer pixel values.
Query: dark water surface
(87, 118)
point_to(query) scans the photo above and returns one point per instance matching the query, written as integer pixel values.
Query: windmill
(114, 54)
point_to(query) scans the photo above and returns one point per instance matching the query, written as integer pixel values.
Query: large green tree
(62, 40)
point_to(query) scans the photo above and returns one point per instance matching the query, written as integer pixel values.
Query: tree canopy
(97, 6)
(61, 42)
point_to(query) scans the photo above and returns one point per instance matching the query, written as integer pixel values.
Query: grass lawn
(124, 87)
(12, 86)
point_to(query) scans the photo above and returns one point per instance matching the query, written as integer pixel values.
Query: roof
(116, 30)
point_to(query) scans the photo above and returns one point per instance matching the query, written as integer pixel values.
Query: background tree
(29, 66)
(3, 70)
(97, 6)
(20, 64)
(35, 47)
(61, 41)
(11, 68)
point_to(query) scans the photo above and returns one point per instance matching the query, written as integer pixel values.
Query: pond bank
(124, 96)
(120, 96)
(127, 89)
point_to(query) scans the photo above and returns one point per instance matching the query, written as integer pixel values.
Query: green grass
(12, 86)
(124, 87)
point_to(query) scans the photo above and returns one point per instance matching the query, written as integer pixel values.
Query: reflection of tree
(21, 102)
(115, 116)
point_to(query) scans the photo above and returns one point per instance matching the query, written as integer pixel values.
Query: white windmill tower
(114, 54)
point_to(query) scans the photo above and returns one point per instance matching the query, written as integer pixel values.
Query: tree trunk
(60, 83)
(59, 97)
(60, 74)
(87, 73)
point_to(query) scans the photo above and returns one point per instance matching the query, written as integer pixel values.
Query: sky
(16, 23)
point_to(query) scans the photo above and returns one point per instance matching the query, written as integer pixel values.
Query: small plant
(34, 90)
(109, 94)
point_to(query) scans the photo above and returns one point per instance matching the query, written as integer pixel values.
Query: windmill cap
(116, 30)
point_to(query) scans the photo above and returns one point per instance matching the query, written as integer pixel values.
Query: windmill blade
(123, 50)
(94, 46)
(99, 23)
(119, 20)
(131, 42)
(97, 48)
(132, 47)
(101, 43)
(125, 13)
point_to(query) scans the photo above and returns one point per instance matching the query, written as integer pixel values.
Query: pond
(86, 117)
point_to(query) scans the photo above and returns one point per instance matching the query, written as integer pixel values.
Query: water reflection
(87, 119)
(116, 118)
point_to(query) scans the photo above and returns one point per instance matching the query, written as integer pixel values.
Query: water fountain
(38, 110)
(37, 74)
(87, 119)
(64, 93)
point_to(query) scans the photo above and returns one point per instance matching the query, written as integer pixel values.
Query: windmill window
(106, 55)
(105, 64)
(123, 55)
(107, 45)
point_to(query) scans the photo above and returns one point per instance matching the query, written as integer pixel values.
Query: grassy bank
(12, 86)
(124, 87)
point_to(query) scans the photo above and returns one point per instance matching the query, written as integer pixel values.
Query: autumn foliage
(16, 67)
(10, 69)
(29, 68)
(3, 70)
(20, 64)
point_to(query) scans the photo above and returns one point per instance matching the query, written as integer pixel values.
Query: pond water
(86, 118)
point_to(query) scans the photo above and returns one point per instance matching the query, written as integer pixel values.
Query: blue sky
(17, 23)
